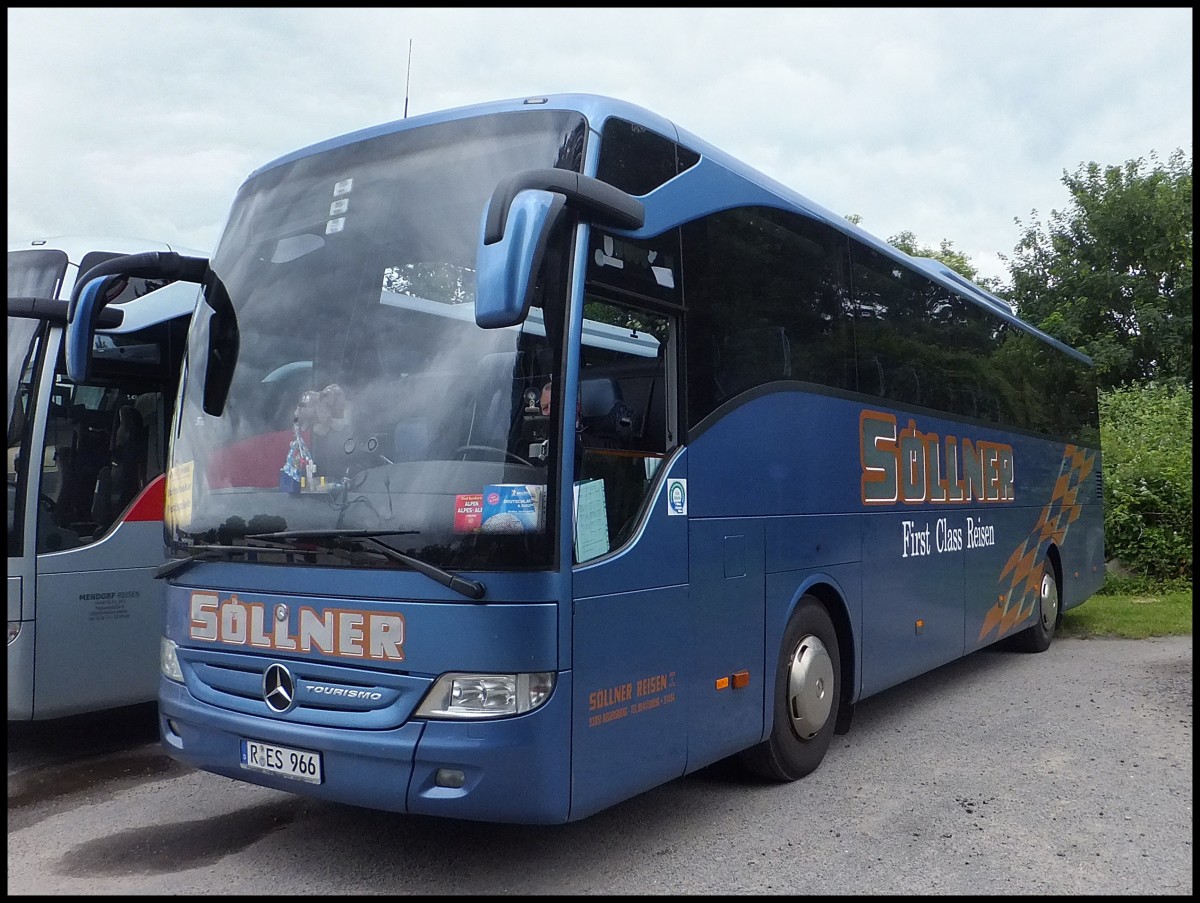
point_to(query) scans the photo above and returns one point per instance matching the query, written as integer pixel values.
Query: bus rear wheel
(806, 698)
(1038, 635)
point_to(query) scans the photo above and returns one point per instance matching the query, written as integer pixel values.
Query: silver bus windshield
(362, 394)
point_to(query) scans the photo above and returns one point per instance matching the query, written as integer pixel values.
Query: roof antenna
(407, 78)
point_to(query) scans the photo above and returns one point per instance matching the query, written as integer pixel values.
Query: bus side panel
(631, 638)
(991, 538)
(99, 612)
(1057, 501)
(777, 453)
(658, 555)
(824, 549)
(1083, 525)
(629, 731)
(20, 658)
(784, 590)
(727, 616)
(14, 594)
(913, 585)
(1083, 560)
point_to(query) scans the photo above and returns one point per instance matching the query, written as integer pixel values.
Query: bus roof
(174, 300)
(77, 246)
(598, 108)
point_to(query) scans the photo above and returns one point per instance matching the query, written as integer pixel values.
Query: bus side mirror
(517, 222)
(505, 268)
(83, 314)
(104, 282)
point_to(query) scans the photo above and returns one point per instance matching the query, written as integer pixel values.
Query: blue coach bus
(783, 466)
(86, 480)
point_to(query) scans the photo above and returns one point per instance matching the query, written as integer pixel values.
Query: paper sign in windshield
(513, 508)
(468, 513)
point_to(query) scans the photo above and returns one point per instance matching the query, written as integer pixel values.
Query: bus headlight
(168, 661)
(473, 696)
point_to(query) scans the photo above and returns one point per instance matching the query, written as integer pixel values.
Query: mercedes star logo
(279, 689)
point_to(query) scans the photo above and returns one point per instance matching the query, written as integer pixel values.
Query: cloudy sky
(951, 124)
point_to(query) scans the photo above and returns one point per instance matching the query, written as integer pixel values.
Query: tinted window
(767, 300)
(649, 268)
(36, 273)
(923, 345)
(637, 160)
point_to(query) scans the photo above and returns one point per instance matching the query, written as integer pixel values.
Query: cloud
(951, 124)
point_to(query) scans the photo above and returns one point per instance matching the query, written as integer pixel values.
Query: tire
(807, 698)
(1038, 635)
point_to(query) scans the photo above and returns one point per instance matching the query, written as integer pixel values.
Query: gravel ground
(1068, 772)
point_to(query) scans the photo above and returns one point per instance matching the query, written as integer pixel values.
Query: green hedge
(1146, 437)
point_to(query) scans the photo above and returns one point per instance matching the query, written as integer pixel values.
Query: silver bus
(85, 484)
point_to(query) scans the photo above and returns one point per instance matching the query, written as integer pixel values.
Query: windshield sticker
(468, 512)
(513, 508)
(178, 510)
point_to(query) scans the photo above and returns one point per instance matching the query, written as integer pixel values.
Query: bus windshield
(362, 395)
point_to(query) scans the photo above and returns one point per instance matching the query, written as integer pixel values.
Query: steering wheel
(502, 452)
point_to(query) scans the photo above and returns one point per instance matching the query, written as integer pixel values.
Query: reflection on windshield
(364, 395)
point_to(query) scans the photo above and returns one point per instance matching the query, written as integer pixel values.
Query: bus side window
(149, 406)
(754, 356)
(119, 481)
(607, 420)
(623, 409)
(79, 464)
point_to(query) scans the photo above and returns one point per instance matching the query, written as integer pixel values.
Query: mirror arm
(147, 265)
(597, 200)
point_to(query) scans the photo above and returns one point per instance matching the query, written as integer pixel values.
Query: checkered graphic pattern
(1020, 580)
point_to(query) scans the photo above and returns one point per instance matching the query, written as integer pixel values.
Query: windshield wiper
(202, 553)
(271, 542)
(472, 589)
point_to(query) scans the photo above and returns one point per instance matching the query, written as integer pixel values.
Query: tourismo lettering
(334, 631)
(916, 468)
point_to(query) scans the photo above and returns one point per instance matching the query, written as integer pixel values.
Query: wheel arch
(829, 594)
(1054, 562)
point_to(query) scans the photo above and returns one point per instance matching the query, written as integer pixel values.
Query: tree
(906, 241)
(1112, 275)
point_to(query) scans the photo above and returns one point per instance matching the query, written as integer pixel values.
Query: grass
(1132, 609)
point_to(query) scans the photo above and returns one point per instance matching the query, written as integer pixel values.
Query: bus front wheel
(1038, 635)
(806, 698)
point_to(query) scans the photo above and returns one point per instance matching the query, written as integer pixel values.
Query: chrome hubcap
(810, 687)
(1048, 602)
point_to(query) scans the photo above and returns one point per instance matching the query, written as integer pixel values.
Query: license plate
(297, 764)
